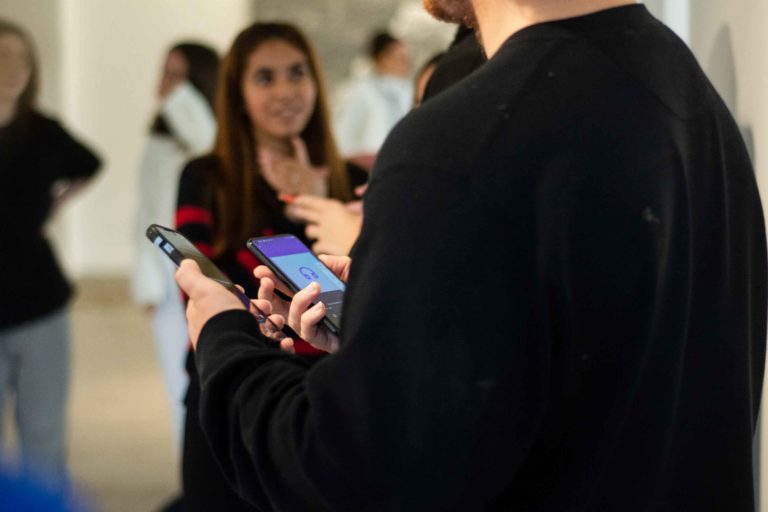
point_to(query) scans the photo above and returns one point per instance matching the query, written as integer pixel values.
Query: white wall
(111, 58)
(739, 28)
(744, 82)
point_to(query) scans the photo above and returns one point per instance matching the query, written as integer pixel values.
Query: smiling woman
(279, 91)
(274, 137)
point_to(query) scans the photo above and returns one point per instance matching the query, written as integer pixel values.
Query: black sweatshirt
(35, 153)
(557, 302)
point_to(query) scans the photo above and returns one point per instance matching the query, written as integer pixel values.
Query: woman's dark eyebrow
(291, 67)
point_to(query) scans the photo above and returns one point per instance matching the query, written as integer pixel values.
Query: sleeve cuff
(229, 330)
(219, 325)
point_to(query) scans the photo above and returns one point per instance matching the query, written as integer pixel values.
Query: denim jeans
(34, 366)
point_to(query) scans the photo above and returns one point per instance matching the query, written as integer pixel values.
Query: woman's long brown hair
(246, 204)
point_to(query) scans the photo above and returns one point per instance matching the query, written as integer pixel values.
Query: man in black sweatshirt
(557, 301)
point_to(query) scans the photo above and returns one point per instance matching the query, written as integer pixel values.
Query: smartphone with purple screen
(296, 265)
(174, 245)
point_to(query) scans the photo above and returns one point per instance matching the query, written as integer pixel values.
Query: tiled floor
(121, 451)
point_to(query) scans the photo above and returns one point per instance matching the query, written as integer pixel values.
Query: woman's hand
(293, 175)
(332, 224)
(62, 191)
(300, 314)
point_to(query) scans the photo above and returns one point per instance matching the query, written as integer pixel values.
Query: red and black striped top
(196, 219)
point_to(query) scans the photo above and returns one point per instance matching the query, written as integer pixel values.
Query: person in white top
(373, 105)
(183, 128)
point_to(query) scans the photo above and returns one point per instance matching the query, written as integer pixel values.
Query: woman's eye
(263, 78)
(298, 73)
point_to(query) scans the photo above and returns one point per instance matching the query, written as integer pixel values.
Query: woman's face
(395, 60)
(15, 67)
(279, 90)
(175, 71)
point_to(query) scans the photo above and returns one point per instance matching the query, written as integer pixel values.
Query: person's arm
(75, 161)
(413, 408)
(190, 118)
(349, 121)
(75, 165)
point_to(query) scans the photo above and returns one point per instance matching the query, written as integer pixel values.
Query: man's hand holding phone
(301, 316)
(207, 298)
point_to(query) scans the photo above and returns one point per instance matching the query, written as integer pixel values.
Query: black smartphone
(178, 248)
(296, 265)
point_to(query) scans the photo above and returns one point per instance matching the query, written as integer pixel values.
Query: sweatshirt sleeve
(412, 403)
(74, 160)
(190, 118)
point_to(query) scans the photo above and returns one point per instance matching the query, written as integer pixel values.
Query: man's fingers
(286, 345)
(266, 294)
(262, 306)
(263, 272)
(277, 321)
(300, 303)
(311, 320)
(267, 277)
(266, 290)
(188, 277)
(272, 328)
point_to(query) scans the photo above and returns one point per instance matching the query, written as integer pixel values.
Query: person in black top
(274, 137)
(557, 301)
(41, 166)
(463, 57)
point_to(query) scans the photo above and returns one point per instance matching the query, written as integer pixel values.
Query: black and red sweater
(205, 487)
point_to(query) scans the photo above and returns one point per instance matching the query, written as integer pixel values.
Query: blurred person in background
(370, 107)
(423, 76)
(41, 167)
(463, 57)
(184, 127)
(274, 138)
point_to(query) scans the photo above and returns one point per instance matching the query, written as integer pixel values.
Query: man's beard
(452, 11)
